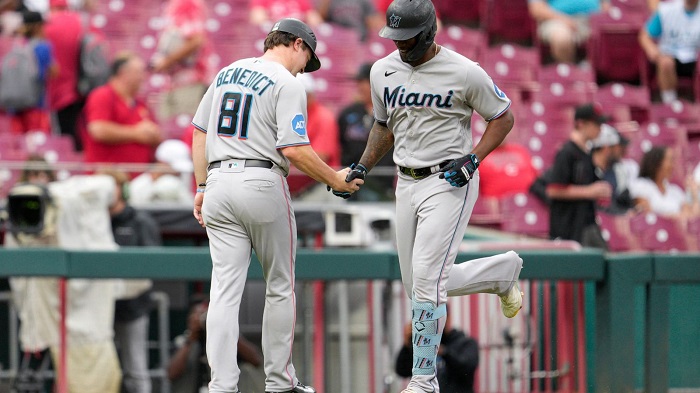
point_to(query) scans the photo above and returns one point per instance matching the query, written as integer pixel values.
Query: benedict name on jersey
(415, 99)
(244, 77)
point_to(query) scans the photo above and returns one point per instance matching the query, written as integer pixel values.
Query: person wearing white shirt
(652, 190)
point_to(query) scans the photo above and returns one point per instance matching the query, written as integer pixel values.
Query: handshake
(356, 172)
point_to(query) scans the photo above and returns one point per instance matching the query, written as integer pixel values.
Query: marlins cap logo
(394, 20)
(276, 26)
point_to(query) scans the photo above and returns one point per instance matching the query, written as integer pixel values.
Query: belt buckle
(413, 173)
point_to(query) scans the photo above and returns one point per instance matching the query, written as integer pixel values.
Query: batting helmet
(406, 19)
(301, 30)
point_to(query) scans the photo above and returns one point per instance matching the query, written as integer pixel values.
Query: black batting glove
(357, 172)
(459, 171)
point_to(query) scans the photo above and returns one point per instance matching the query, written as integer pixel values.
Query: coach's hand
(355, 177)
(459, 171)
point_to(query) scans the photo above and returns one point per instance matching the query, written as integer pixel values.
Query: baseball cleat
(300, 389)
(512, 301)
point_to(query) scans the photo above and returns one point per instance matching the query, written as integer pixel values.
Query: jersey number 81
(233, 120)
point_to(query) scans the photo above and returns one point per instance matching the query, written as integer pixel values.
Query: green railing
(617, 277)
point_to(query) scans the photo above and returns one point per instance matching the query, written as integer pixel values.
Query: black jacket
(456, 366)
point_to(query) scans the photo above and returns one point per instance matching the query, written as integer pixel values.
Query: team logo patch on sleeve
(498, 91)
(299, 124)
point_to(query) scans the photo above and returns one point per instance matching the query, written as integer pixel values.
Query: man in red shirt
(509, 171)
(63, 30)
(120, 127)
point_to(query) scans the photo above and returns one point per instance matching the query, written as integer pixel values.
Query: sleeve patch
(299, 124)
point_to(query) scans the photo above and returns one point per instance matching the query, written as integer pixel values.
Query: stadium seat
(525, 214)
(487, 212)
(460, 12)
(658, 233)
(683, 112)
(512, 65)
(613, 42)
(625, 102)
(616, 231)
(507, 21)
(470, 43)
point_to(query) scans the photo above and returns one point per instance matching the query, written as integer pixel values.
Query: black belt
(248, 164)
(421, 173)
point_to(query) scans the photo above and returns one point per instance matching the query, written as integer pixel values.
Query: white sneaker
(512, 302)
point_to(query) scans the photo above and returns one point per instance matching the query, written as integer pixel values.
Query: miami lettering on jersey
(415, 99)
(254, 80)
(299, 124)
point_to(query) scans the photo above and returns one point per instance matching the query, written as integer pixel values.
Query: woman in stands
(653, 190)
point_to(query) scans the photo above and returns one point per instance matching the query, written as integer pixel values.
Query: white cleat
(512, 302)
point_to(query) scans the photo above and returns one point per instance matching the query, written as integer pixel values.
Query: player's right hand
(198, 200)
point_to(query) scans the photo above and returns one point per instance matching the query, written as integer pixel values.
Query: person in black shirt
(574, 187)
(354, 123)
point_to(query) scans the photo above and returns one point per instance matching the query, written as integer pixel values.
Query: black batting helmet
(406, 19)
(301, 30)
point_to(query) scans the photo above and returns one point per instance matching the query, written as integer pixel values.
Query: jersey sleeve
(380, 113)
(653, 25)
(201, 117)
(483, 95)
(291, 115)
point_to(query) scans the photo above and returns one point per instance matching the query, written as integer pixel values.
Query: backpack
(93, 63)
(20, 87)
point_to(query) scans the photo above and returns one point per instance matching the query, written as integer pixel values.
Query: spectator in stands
(457, 360)
(263, 12)
(188, 370)
(132, 228)
(64, 30)
(509, 170)
(654, 192)
(360, 15)
(11, 16)
(323, 136)
(170, 178)
(563, 24)
(574, 187)
(36, 118)
(182, 53)
(120, 127)
(671, 41)
(354, 123)
(606, 153)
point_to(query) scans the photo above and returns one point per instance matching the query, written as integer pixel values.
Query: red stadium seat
(683, 112)
(461, 12)
(470, 43)
(658, 233)
(512, 65)
(616, 231)
(507, 21)
(525, 214)
(613, 42)
(625, 102)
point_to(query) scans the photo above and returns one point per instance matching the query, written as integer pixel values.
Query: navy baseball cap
(303, 31)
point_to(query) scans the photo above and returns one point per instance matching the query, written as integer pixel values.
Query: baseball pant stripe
(449, 248)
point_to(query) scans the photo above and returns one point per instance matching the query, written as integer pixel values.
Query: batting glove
(459, 171)
(358, 171)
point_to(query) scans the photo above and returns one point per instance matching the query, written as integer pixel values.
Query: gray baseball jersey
(253, 108)
(429, 107)
(256, 107)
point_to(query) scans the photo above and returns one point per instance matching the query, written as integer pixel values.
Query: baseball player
(250, 124)
(423, 96)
